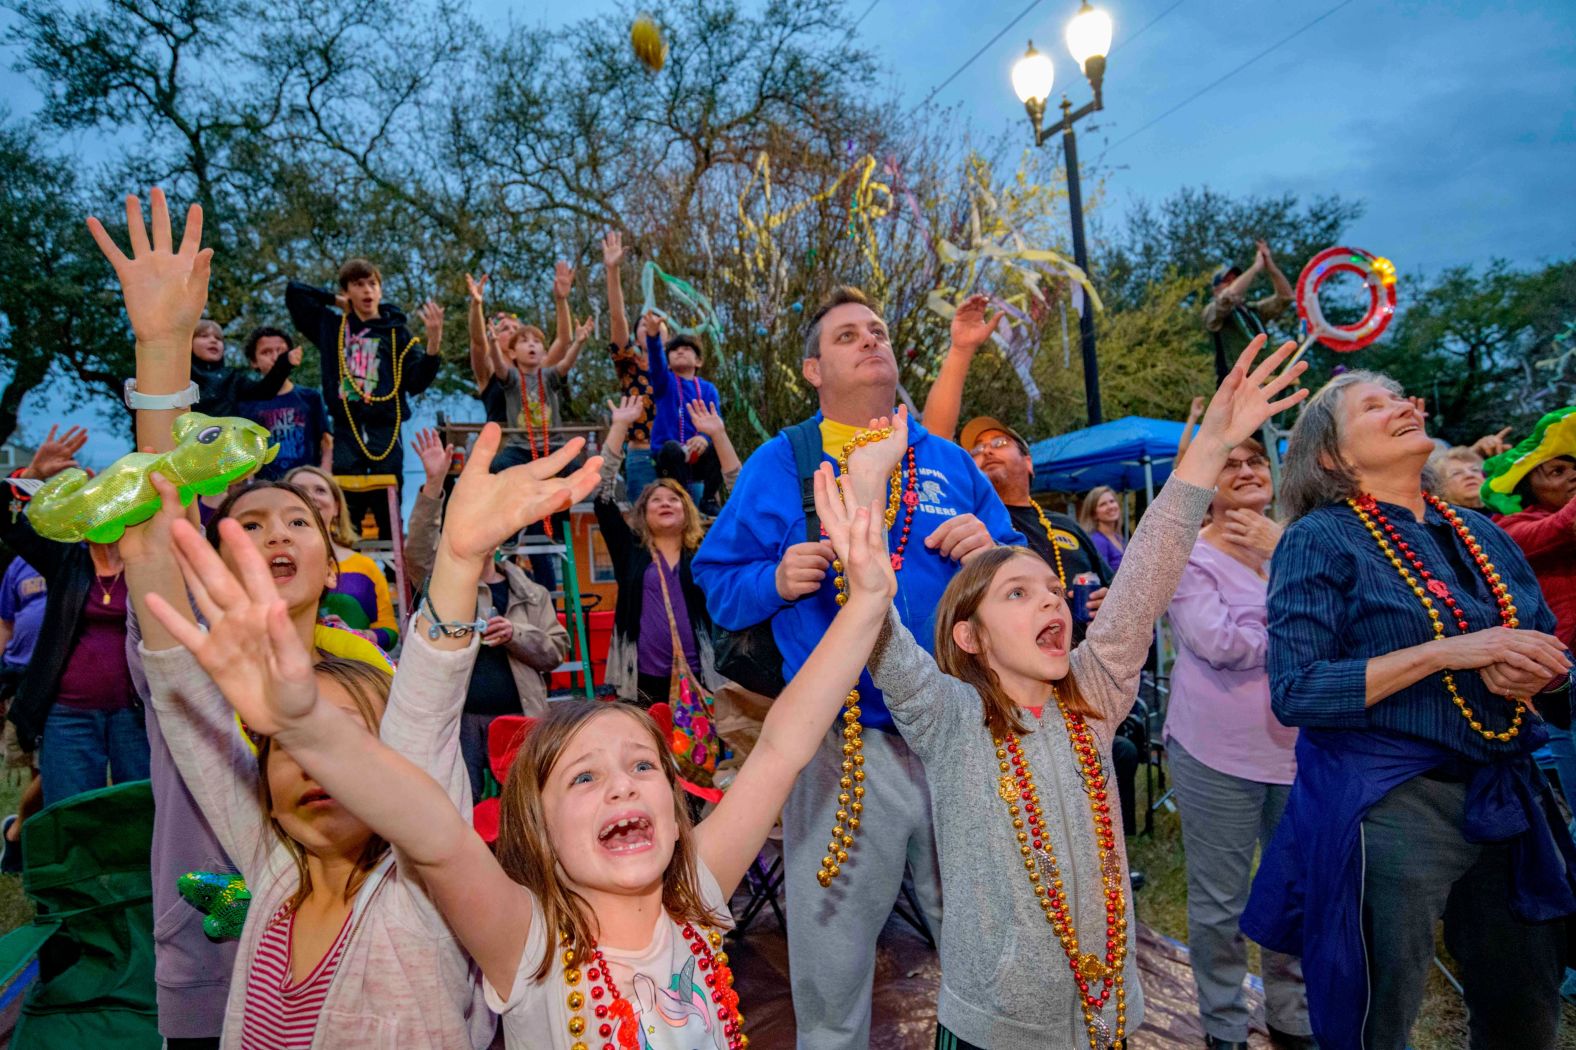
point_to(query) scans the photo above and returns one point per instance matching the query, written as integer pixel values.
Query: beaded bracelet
(449, 629)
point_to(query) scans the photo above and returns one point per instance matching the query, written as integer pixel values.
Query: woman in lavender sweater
(1232, 762)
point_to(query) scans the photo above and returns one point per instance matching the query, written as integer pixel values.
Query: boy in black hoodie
(221, 389)
(371, 366)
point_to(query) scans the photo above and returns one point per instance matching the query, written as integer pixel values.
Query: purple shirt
(655, 646)
(1220, 688)
(22, 594)
(96, 675)
(1108, 549)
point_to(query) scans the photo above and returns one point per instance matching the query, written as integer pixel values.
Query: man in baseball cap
(1230, 318)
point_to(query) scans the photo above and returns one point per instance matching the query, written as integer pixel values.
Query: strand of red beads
(614, 1016)
(1098, 979)
(1427, 587)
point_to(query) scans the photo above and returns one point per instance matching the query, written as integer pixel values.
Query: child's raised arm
(796, 724)
(254, 656)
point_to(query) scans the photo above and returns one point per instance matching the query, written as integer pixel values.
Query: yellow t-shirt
(835, 435)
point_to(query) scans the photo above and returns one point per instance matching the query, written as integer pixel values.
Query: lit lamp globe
(1089, 40)
(1032, 77)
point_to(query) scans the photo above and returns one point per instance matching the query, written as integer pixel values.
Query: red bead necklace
(615, 1015)
(1426, 586)
(1098, 978)
(525, 413)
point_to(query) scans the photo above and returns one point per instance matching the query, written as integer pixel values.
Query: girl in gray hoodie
(1015, 724)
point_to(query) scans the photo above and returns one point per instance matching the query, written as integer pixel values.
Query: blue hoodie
(736, 566)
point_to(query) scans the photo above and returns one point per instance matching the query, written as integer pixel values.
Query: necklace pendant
(1111, 866)
(1090, 968)
(897, 562)
(106, 598)
(1101, 1032)
(1438, 588)
(1007, 788)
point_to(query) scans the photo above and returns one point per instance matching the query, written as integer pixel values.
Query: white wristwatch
(156, 402)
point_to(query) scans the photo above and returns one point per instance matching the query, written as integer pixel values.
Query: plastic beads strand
(851, 785)
(1018, 790)
(1425, 584)
(369, 397)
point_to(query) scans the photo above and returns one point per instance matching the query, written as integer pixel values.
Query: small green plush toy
(209, 454)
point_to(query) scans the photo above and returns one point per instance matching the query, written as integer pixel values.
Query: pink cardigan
(403, 980)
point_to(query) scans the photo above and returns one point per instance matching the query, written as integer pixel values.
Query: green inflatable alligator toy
(209, 454)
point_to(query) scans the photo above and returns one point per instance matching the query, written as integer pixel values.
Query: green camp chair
(85, 867)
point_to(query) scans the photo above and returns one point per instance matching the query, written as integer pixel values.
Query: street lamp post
(1089, 40)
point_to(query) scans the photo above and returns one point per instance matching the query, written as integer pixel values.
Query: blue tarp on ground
(1111, 454)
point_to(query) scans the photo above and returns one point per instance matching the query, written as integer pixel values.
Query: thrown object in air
(647, 40)
(209, 454)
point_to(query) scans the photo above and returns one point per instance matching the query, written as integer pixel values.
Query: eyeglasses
(1252, 463)
(996, 442)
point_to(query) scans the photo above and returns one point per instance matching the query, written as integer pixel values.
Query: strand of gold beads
(851, 784)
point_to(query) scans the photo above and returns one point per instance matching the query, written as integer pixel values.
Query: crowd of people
(1358, 691)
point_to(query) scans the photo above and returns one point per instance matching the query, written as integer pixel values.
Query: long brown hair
(369, 688)
(1090, 502)
(227, 510)
(960, 602)
(526, 852)
(692, 530)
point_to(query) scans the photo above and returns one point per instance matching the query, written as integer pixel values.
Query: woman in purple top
(650, 548)
(1231, 761)
(1101, 517)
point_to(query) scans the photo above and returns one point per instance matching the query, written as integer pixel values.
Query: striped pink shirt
(279, 1015)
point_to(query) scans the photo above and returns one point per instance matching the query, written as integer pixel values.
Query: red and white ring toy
(1378, 275)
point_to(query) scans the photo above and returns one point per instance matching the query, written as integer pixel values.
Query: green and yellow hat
(1554, 436)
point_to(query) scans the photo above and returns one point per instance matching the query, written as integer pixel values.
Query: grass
(15, 909)
(1162, 903)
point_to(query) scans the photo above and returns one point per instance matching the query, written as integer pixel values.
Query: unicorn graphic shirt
(670, 1005)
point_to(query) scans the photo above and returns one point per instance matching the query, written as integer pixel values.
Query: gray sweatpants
(1417, 867)
(832, 931)
(1223, 818)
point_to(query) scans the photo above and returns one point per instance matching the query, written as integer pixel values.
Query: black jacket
(69, 569)
(312, 310)
(221, 389)
(630, 559)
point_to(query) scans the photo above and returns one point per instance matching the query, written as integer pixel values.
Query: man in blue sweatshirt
(756, 564)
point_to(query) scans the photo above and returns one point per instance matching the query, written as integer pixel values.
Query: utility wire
(866, 15)
(1225, 77)
(1145, 26)
(971, 59)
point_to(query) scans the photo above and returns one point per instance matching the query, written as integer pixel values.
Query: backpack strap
(805, 439)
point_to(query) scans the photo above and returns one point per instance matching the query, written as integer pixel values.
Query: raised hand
(629, 410)
(432, 320)
(1195, 410)
(250, 649)
(584, 329)
(974, 322)
(435, 456)
(563, 279)
(871, 464)
(1247, 399)
(295, 355)
(164, 289)
(152, 538)
(858, 536)
(1491, 445)
(57, 453)
(707, 419)
(612, 249)
(650, 324)
(475, 287)
(486, 509)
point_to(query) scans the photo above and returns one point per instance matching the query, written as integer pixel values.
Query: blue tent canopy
(1114, 453)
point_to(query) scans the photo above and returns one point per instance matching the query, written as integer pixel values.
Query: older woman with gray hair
(1410, 644)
